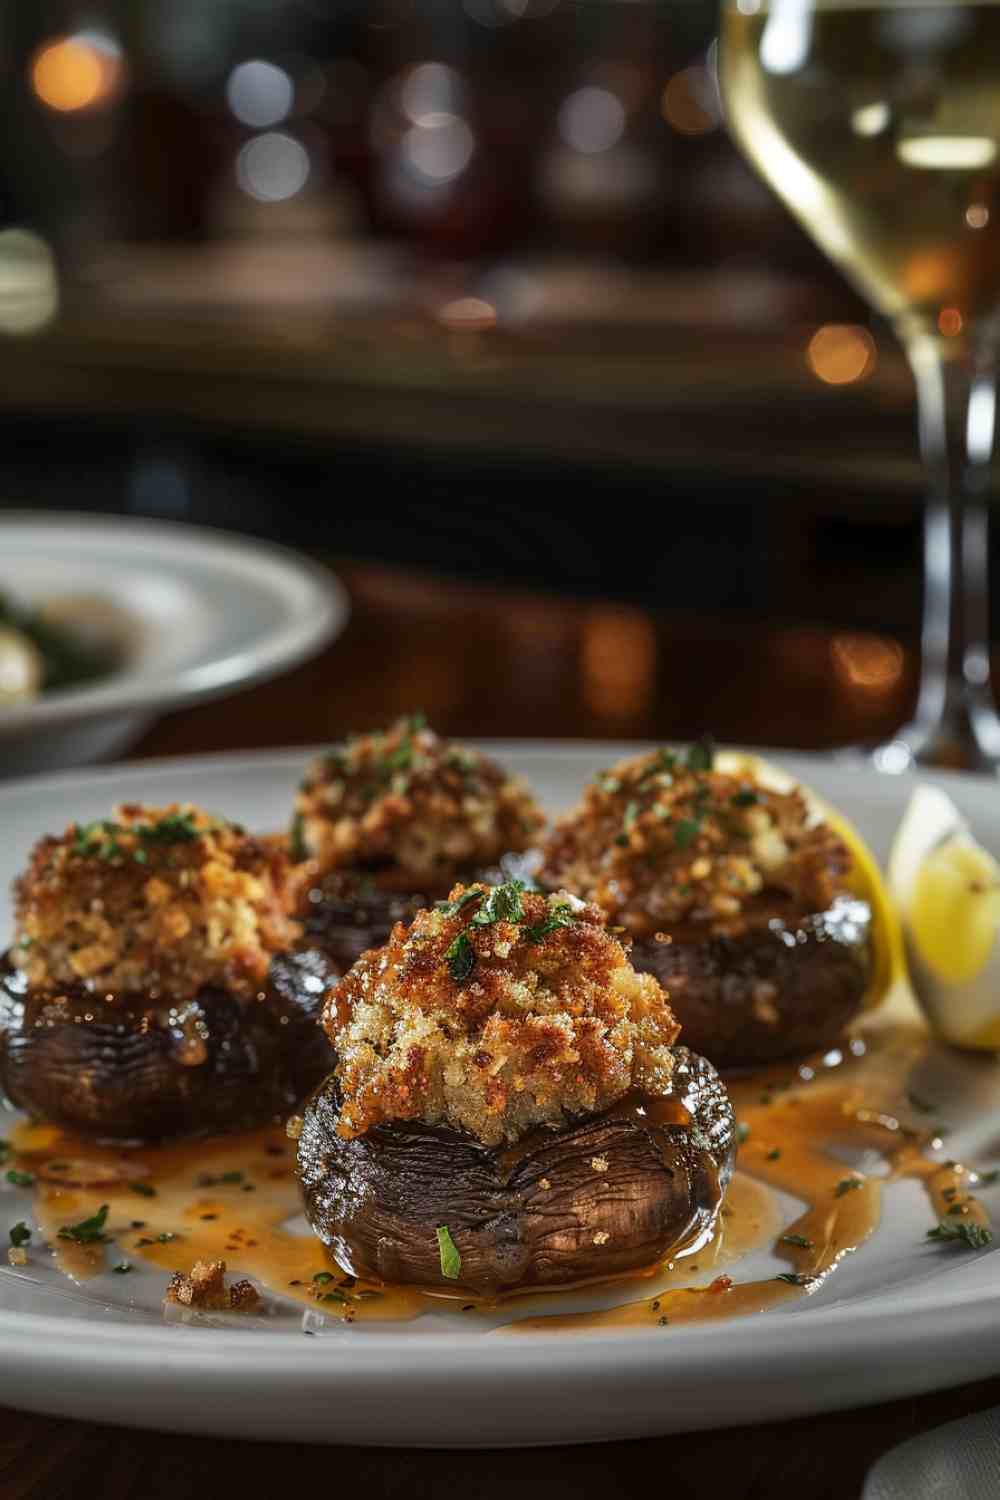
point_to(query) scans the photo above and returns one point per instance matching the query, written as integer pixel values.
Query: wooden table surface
(484, 662)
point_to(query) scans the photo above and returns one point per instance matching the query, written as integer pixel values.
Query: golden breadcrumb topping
(496, 1011)
(162, 901)
(407, 800)
(663, 839)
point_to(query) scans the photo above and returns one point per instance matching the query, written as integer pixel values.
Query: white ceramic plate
(201, 612)
(899, 1317)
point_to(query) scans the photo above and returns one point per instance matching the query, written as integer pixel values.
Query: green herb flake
(701, 756)
(20, 1179)
(988, 1178)
(774, 1155)
(174, 828)
(322, 1277)
(686, 831)
(503, 904)
(798, 1240)
(745, 797)
(793, 1278)
(461, 957)
(452, 908)
(122, 1268)
(4, 1150)
(451, 1261)
(297, 839)
(144, 1189)
(742, 1133)
(20, 1235)
(560, 916)
(847, 1185)
(973, 1236)
(88, 1231)
(609, 785)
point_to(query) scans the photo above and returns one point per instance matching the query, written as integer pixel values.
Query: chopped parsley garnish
(561, 916)
(799, 1240)
(974, 1236)
(4, 1150)
(745, 797)
(451, 1261)
(795, 1279)
(988, 1178)
(144, 1189)
(609, 784)
(461, 958)
(175, 828)
(88, 1231)
(452, 908)
(323, 1277)
(122, 1268)
(686, 831)
(847, 1185)
(297, 840)
(630, 816)
(503, 904)
(774, 1155)
(98, 838)
(701, 756)
(20, 1235)
(20, 1179)
(207, 1180)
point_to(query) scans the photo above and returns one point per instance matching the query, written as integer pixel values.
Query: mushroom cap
(600, 1196)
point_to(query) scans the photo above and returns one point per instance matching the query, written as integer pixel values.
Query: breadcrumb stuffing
(496, 1011)
(657, 841)
(205, 1286)
(410, 801)
(158, 900)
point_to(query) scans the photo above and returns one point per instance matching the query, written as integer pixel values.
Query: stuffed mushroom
(157, 984)
(389, 821)
(509, 1109)
(737, 896)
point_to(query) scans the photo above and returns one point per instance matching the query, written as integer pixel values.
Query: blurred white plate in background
(201, 613)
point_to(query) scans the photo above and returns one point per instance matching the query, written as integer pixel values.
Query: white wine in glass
(879, 126)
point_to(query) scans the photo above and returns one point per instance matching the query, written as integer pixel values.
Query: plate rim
(321, 614)
(770, 1360)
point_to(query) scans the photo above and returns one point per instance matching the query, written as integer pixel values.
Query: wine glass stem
(955, 722)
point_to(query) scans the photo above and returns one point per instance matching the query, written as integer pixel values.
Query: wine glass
(878, 124)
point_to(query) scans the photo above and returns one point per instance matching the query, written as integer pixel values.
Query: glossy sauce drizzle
(231, 1198)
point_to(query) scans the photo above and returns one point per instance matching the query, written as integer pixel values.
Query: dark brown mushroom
(788, 986)
(126, 1068)
(608, 1194)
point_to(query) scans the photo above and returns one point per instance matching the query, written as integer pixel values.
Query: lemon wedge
(948, 889)
(889, 971)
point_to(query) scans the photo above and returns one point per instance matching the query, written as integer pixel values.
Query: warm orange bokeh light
(618, 659)
(840, 353)
(950, 322)
(869, 662)
(468, 314)
(682, 103)
(72, 73)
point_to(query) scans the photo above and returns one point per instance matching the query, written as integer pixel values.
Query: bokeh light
(870, 663)
(592, 120)
(75, 73)
(689, 102)
(260, 93)
(468, 315)
(977, 216)
(950, 322)
(618, 661)
(840, 353)
(272, 167)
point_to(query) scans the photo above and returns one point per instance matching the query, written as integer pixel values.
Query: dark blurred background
(476, 288)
